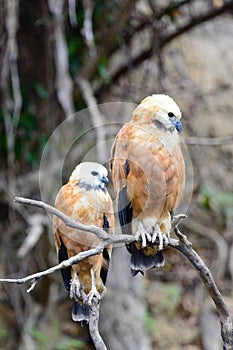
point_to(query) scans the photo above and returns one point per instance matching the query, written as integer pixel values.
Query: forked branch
(225, 317)
(182, 244)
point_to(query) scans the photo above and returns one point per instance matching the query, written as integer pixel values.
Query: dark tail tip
(135, 272)
(141, 262)
(80, 313)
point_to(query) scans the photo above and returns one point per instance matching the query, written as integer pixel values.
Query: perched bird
(148, 174)
(84, 199)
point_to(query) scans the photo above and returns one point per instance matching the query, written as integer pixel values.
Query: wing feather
(66, 272)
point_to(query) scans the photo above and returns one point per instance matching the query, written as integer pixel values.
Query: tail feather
(80, 313)
(141, 262)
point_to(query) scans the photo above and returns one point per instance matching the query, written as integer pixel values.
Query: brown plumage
(85, 199)
(148, 174)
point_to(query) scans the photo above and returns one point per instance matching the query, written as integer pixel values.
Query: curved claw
(88, 299)
(75, 289)
(143, 235)
(162, 238)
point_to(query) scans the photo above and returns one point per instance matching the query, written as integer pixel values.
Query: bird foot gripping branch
(142, 235)
(76, 290)
(156, 235)
(94, 292)
(162, 238)
(78, 294)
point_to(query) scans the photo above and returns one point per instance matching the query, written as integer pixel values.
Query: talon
(162, 238)
(75, 289)
(166, 240)
(93, 292)
(143, 235)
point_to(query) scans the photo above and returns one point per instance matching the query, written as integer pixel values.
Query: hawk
(148, 173)
(84, 199)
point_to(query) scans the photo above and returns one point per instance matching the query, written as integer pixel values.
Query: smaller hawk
(84, 199)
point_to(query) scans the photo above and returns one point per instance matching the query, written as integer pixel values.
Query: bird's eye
(94, 173)
(171, 115)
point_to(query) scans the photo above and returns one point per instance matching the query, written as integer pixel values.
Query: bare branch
(165, 38)
(39, 275)
(72, 13)
(101, 234)
(87, 30)
(183, 245)
(64, 83)
(109, 33)
(219, 241)
(185, 248)
(93, 325)
(36, 228)
(10, 90)
(207, 141)
(97, 118)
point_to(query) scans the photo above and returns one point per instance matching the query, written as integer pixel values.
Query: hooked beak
(177, 124)
(105, 180)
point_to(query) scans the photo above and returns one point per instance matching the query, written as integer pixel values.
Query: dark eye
(94, 173)
(171, 115)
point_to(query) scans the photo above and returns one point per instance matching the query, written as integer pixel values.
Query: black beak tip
(105, 180)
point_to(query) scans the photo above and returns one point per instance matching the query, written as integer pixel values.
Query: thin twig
(37, 223)
(101, 234)
(39, 275)
(219, 241)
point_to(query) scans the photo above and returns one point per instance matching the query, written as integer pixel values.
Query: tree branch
(64, 83)
(163, 39)
(34, 278)
(101, 234)
(183, 245)
(94, 325)
(87, 30)
(185, 248)
(97, 118)
(11, 98)
(94, 314)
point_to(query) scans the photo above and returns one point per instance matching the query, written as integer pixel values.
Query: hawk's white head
(91, 174)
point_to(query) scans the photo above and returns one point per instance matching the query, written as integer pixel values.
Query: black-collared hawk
(84, 199)
(148, 173)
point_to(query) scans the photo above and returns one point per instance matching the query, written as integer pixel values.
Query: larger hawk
(148, 174)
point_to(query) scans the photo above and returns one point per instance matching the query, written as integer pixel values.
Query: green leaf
(151, 323)
(205, 198)
(41, 91)
(39, 336)
(71, 344)
(102, 69)
(3, 333)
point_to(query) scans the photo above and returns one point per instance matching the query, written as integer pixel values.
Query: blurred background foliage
(58, 57)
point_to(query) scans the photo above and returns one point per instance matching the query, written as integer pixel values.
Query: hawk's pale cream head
(161, 108)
